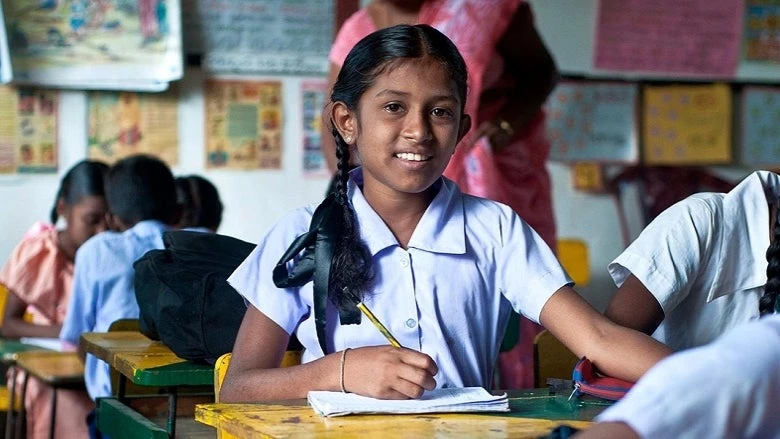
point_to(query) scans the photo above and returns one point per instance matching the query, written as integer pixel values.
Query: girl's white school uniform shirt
(449, 295)
(727, 389)
(704, 260)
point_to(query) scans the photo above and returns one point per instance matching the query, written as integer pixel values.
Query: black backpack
(184, 298)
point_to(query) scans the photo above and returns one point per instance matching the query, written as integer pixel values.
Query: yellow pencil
(367, 312)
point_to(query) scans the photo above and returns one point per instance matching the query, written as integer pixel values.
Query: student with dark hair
(200, 203)
(441, 269)
(704, 265)
(141, 197)
(39, 278)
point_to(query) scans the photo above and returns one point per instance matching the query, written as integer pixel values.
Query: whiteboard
(568, 27)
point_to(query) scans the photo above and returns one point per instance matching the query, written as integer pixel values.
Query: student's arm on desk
(616, 350)
(378, 371)
(608, 430)
(14, 325)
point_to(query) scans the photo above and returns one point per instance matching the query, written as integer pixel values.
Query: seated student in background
(727, 389)
(701, 266)
(441, 269)
(39, 278)
(141, 197)
(200, 204)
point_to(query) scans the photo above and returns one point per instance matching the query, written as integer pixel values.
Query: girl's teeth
(411, 157)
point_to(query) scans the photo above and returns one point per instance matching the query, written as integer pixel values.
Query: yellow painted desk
(534, 413)
(55, 369)
(147, 362)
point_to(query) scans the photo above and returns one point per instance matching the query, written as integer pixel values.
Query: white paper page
(52, 344)
(469, 399)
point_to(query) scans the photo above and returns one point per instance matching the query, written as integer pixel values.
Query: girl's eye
(441, 112)
(393, 107)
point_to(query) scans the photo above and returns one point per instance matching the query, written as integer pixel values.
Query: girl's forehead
(415, 74)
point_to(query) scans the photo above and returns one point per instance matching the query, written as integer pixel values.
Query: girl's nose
(417, 128)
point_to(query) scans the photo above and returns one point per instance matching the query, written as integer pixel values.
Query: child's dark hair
(85, 179)
(371, 56)
(140, 188)
(766, 305)
(199, 198)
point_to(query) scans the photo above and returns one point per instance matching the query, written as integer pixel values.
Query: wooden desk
(55, 369)
(146, 362)
(9, 349)
(534, 413)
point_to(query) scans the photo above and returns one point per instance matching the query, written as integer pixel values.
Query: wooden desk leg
(53, 412)
(20, 419)
(172, 412)
(120, 392)
(11, 404)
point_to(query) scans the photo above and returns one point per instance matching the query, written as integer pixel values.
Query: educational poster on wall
(126, 123)
(760, 126)
(762, 30)
(243, 124)
(313, 96)
(28, 130)
(95, 44)
(593, 122)
(687, 125)
(699, 38)
(268, 37)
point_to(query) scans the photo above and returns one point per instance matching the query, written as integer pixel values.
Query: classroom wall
(254, 200)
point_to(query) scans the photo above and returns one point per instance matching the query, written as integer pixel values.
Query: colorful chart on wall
(760, 127)
(762, 31)
(95, 44)
(313, 100)
(251, 36)
(243, 124)
(126, 123)
(593, 122)
(687, 125)
(693, 37)
(28, 130)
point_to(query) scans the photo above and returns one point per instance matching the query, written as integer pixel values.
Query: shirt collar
(440, 230)
(148, 227)
(745, 240)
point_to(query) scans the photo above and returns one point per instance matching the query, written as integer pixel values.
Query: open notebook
(468, 399)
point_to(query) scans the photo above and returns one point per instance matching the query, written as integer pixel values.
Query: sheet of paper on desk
(52, 344)
(468, 399)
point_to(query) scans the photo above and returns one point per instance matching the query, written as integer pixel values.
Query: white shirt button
(411, 323)
(404, 262)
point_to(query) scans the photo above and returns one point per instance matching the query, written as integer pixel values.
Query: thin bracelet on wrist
(341, 380)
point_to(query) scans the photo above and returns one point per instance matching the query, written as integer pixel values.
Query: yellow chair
(573, 254)
(552, 359)
(291, 358)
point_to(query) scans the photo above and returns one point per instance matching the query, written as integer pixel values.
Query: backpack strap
(316, 248)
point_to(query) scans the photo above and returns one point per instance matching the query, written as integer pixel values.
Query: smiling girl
(441, 269)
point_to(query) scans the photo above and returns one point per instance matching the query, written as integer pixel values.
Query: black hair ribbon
(317, 247)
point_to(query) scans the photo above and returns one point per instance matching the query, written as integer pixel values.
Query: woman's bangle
(506, 127)
(341, 381)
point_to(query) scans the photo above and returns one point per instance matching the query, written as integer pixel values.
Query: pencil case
(588, 380)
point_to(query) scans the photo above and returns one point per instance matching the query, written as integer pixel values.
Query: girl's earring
(348, 139)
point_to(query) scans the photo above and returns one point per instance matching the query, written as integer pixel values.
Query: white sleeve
(668, 254)
(528, 273)
(729, 388)
(253, 279)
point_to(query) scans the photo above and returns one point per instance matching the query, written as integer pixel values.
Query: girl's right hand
(387, 372)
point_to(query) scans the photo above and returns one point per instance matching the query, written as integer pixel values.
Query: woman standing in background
(511, 73)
